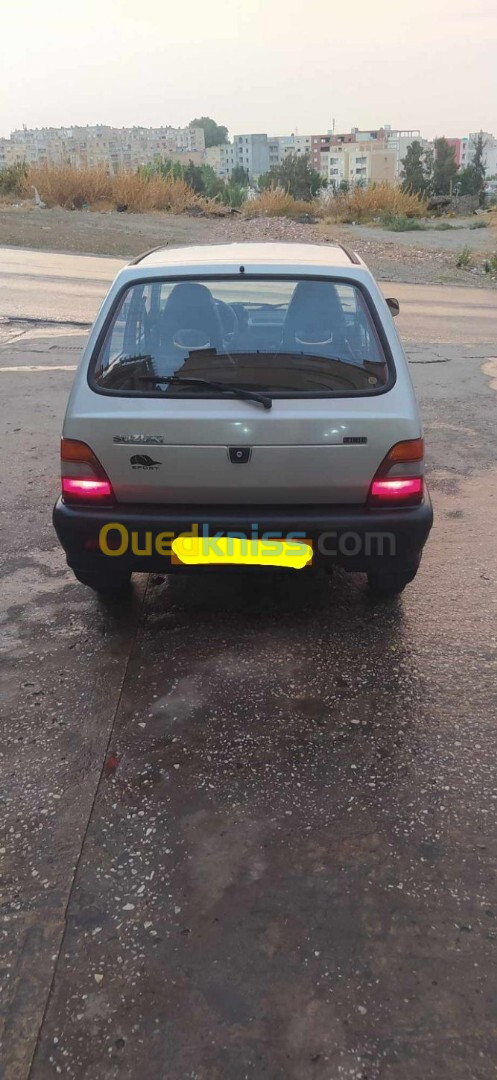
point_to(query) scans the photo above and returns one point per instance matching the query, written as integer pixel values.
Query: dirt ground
(420, 257)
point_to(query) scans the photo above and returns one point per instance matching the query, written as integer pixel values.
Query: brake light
(397, 489)
(95, 489)
(84, 479)
(399, 479)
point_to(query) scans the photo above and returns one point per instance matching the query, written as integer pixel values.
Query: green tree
(213, 185)
(444, 167)
(193, 176)
(479, 165)
(201, 178)
(12, 178)
(296, 176)
(234, 194)
(471, 180)
(215, 134)
(239, 176)
(416, 172)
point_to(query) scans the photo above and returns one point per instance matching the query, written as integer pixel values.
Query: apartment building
(323, 145)
(255, 153)
(359, 163)
(252, 152)
(399, 139)
(489, 151)
(115, 149)
(464, 150)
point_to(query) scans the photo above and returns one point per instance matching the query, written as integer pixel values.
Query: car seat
(315, 320)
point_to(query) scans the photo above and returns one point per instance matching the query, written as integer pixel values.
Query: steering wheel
(229, 321)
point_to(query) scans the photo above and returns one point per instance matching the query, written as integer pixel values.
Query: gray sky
(254, 65)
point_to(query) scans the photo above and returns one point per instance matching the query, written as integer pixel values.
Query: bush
(274, 202)
(12, 178)
(294, 175)
(367, 203)
(234, 194)
(464, 259)
(479, 224)
(63, 185)
(401, 223)
(490, 265)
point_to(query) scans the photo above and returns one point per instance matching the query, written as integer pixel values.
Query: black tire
(385, 583)
(105, 584)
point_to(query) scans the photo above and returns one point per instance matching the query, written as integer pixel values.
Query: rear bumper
(354, 537)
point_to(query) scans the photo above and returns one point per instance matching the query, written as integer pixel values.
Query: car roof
(329, 256)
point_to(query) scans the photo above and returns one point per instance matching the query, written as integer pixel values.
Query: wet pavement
(248, 825)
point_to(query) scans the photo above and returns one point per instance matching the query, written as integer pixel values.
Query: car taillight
(399, 479)
(84, 479)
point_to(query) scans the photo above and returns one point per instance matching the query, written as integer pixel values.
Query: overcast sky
(255, 65)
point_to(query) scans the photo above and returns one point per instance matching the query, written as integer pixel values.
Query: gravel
(391, 256)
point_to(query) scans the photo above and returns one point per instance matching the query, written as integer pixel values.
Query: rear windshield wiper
(224, 388)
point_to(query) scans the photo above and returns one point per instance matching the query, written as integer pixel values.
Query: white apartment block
(115, 149)
(252, 152)
(399, 139)
(489, 151)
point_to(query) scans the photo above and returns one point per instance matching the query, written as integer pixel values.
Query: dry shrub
(63, 185)
(363, 204)
(175, 196)
(275, 202)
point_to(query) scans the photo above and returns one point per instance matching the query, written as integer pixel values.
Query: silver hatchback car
(252, 393)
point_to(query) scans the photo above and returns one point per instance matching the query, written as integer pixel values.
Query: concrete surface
(40, 286)
(248, 825)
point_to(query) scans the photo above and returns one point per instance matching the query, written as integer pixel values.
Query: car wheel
(105, 584)
(385, 583)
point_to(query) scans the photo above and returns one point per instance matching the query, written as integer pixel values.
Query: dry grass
(364, 204)
(63, 185)
(274, 202)
(71, 188)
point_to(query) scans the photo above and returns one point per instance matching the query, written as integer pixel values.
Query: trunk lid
(184, 451)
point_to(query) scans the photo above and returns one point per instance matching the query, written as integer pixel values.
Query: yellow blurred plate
(236, 551)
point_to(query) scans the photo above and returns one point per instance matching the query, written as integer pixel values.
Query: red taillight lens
(392, 484)
(396, 490)
(84, 480)
(89, 489)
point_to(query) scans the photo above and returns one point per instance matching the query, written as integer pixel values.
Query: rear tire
(104, 584)
(385, 583)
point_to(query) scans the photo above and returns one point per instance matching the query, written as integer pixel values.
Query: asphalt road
(248, 826)
(70, 287)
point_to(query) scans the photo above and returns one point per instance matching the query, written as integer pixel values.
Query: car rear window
(285, 337)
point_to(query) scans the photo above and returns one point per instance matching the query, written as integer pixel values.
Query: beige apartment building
(359, 163)
(116, 149)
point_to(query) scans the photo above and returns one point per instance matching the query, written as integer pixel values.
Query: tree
(296, 176)
(239, 175)
(479, 166)
(215, 134)
(416, 171)
(234, 194)
(471, 179)
(12, 178)
(444, 167)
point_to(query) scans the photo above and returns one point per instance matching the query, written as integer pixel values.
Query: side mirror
(393, 305)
